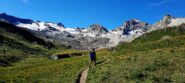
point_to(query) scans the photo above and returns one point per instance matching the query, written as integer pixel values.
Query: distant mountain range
(94, 36)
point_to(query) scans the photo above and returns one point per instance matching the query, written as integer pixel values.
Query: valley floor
(42, 69)
(159, 65)
(157, 57)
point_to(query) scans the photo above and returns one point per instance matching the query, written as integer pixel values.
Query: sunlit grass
(42, 69)
(147, 59)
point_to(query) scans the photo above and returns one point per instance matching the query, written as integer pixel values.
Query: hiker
(92, 57)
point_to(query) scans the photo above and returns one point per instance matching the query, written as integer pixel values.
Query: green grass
(160, 65)
(42, 69)
(22, 61)
(164, 38)
(157, 57)
(14, 48)
(151, 58)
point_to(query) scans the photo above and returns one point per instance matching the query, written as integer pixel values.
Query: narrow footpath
(83, 75)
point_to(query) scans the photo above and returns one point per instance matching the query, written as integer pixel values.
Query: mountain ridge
(94, 36)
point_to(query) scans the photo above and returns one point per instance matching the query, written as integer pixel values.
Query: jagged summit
(60, 24)
(93, 36)
(168, 21)
(165, 21)
(133, 24)
(98, 28)
(168, 16)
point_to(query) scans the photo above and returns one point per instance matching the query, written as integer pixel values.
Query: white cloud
(156, 4)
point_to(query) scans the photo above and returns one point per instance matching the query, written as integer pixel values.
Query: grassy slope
(42, 69)
(158, 56)
(21, 59)
(24, 61)
(13, 47)
(149, 58)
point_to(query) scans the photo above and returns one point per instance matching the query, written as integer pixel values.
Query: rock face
(131, 25)
(164, 22)
(167, 21)
(94, 36)
(97, 29)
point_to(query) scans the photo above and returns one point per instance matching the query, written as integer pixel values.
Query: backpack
(92, 55)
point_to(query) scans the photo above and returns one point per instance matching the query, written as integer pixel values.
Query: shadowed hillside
(17, 43)
(24, 33)
(26, 58)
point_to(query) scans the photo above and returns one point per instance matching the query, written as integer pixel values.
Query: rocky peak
(60, 24)
(78, 29)
(133, 24)
(98, 28)
(165, 21)
(168, 17)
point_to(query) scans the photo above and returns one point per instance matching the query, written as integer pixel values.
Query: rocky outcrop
(131, 25)
(164, 22)
(97, 29)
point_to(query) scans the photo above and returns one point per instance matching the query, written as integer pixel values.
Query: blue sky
(82, 13)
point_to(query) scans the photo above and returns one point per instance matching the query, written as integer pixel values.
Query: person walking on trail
(92, 57)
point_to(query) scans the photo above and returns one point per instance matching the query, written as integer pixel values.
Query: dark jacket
(93, 55)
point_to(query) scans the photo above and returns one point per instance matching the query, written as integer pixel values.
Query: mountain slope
(24, 33)
(25, 58)
(147, 41)
(17, 43)
(13, 20)
(154, 57)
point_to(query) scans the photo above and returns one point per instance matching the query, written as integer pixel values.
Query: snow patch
(40, 26)
(177, 22)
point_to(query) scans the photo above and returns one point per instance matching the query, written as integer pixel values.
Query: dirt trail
(83, 75)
